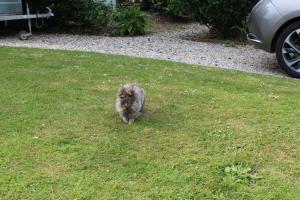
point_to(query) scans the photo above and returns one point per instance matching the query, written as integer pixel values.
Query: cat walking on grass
(130, 102)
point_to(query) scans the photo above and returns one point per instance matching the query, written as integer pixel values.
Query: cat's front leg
(139, 114)
(125, 120)
(130, 121)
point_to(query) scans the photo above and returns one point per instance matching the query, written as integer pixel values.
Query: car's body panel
(289, 9)
(267, 17)
(262, 21)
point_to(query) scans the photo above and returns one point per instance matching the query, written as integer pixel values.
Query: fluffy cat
(130, 102)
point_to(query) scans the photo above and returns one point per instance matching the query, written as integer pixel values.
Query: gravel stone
(164, 45)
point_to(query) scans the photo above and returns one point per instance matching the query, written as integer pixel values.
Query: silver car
(274, 26)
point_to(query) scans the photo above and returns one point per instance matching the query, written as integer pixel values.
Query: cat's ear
(122, 90)
(122, 93)
(121, 87)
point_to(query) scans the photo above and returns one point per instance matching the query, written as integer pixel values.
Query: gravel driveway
(165, 45)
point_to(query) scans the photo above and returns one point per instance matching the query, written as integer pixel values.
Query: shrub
(100, 16)
(174, 8)
(129, 21)
(83, 14)
(222, 15)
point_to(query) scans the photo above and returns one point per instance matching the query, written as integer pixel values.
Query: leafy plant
(129, 21)
(100, 16)
(241, 173)
(174, 8)
(229, 44)
(241, 30)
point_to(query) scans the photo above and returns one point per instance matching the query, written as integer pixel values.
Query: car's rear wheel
(288, 50)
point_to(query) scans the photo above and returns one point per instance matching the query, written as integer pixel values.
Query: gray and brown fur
(130, 102)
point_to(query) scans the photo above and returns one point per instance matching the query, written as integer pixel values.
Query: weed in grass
(241, 173)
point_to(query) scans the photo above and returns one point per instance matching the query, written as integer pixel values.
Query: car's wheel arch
(279, 31)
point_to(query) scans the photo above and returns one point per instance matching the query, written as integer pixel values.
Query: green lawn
(206, 133)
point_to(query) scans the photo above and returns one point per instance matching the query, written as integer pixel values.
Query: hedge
(222, 15)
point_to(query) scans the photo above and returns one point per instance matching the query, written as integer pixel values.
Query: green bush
(129, 21)
(100, 16)
(174, 8)
(82, 14)
(224, 16)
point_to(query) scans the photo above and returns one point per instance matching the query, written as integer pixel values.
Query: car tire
(285, 53)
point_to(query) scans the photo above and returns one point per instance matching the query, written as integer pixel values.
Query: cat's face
(126, 97)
